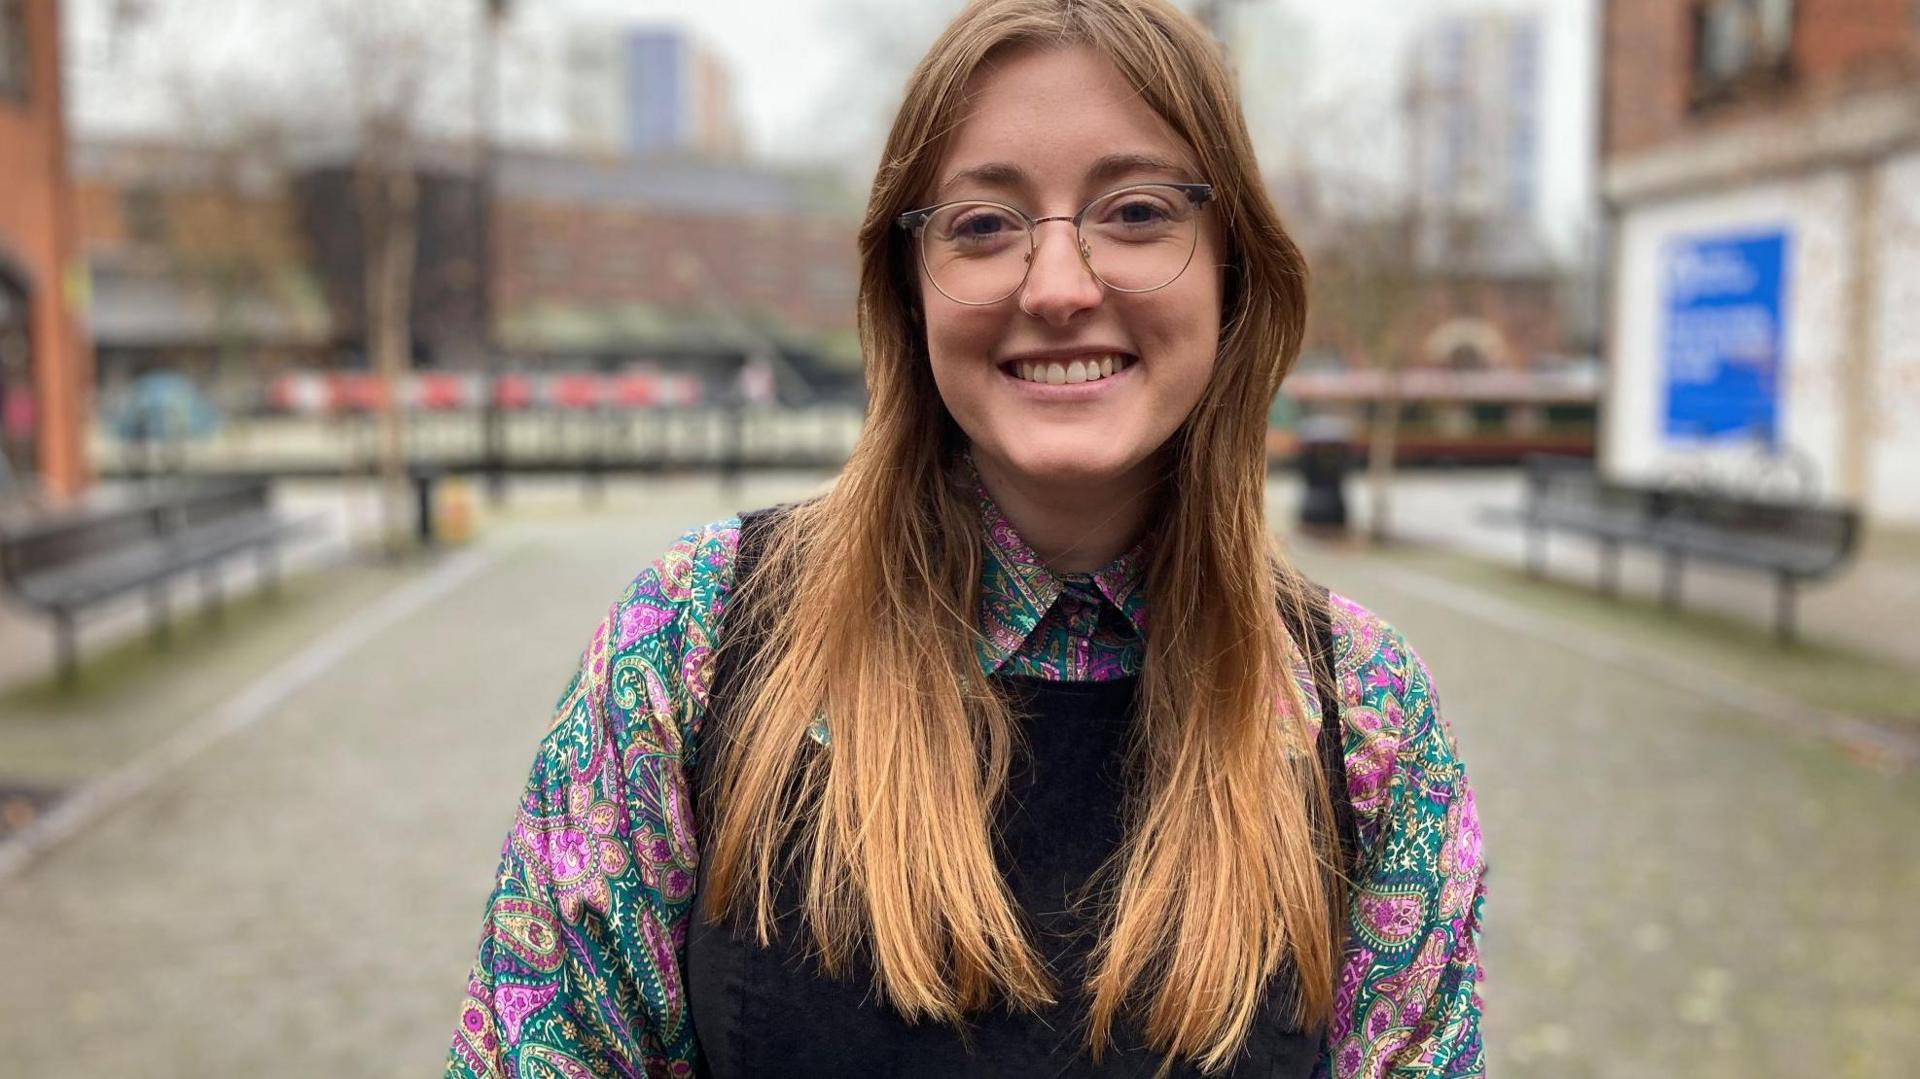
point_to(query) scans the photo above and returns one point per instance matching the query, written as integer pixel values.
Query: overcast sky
(801, 66)
(815, 80)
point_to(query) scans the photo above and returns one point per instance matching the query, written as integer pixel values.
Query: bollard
(424, 480)
(1324, 461)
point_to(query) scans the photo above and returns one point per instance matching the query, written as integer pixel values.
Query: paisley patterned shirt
(579, 966)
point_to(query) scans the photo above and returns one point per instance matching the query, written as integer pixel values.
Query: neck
(1077, 527)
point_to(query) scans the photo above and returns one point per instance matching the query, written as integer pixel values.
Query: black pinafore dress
(772, 1012)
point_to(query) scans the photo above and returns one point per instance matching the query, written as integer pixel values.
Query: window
(1740, 47)
(17, 418)
(16, 66)
(1466, 357)
(145, 215)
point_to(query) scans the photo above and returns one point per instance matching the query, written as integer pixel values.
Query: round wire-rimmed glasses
(1136, 239)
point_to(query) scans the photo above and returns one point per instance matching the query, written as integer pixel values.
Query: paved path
(1678, 888)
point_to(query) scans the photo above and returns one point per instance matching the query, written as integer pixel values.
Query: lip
(1063, 355)
(1076, 391)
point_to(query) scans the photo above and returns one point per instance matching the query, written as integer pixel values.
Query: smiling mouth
(1083, 369)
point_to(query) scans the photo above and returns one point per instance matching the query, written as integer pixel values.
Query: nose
(1059, 283)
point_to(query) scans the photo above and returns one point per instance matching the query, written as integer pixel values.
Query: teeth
(1054, 374)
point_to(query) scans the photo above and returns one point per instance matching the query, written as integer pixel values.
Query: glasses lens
(1140, 238)
(976, 252)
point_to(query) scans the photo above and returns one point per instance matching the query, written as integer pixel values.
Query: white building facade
(1764, 323)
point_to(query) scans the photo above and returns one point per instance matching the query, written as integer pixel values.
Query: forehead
(1056, 116)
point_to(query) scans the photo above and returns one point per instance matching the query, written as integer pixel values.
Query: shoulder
(1397, 743)
(695, 571)
(1374, 661)
(650, 653)
(682, 591)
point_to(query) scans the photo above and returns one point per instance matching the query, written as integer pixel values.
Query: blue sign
(1725, 338)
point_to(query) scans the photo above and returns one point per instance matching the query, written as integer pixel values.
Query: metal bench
(77, 562)
(1795, 542)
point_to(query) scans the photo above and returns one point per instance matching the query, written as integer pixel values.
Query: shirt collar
(1017, 589)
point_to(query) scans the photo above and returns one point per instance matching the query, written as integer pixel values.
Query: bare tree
(881, 40)
(393, 54)
(1367, 279)
(381, 78)
(231, 238)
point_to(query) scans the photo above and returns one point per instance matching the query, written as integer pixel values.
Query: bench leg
(1670, 581)
(1610, 567)
(1536, 551)
(1783, 611)
(269, 569)
(66, 649)
(157, 619)
(210, 592)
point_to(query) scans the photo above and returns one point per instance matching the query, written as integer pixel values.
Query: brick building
(205, 253)
(596, 255)
(198, 265)
(45, 378)
(1761, 175)
(1480, 324)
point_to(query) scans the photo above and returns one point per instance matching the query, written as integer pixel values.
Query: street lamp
(485, 127)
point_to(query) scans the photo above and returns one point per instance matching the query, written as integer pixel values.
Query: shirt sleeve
(579, 957)
(1408, 1000)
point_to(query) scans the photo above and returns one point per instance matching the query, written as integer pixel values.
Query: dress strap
(1315, 639)
(742, 630)
(1333, 736)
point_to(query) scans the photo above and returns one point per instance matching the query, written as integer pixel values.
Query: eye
(1139, 210)
(981, 223)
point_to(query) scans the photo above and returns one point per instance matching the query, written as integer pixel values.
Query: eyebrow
(1109, 168)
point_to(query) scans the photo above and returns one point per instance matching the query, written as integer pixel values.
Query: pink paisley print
(641, 620)
(1390, 918)
(513, 1003)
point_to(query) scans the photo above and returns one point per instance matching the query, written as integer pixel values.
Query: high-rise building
(1272, 47)
(649, 91)
(596, 102)
(1473, 112)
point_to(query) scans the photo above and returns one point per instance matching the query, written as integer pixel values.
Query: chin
(1088, 462)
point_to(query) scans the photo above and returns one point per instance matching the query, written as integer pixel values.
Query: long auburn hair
(1228, 872)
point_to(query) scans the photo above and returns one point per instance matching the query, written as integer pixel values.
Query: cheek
(962, 337)
(1183, 330)
(960, 342)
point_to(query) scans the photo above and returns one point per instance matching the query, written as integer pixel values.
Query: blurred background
(353, 355)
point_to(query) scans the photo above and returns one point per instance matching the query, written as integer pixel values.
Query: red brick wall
(1838, 46)
(1528, 314)
(193, 223)
(799, 270)
(38, 240)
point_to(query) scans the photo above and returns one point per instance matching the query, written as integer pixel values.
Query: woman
(1019, 752)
